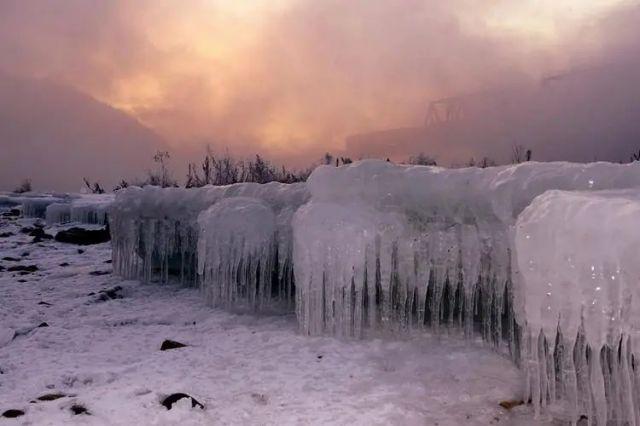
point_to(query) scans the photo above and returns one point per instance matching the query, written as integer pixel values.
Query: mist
(294, 79)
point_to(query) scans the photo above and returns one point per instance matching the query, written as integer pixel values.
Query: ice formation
(59, 208)
(157, 232)
(91, 208)
(577, 256)
(88, 209)
(58, 213)
(387, 246)
(237, 254)
(35, 206)
(375, 246)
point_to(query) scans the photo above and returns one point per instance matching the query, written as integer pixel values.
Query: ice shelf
(375, 247)
(578, 283)
(158, 233)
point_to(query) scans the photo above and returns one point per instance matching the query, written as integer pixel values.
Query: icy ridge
(577, 257)
(374, 246)
(156, 233)
(382, 245)
(85, 208)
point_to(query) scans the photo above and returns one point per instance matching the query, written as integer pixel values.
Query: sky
(290, 79)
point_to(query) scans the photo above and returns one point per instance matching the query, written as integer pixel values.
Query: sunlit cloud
(288, 77)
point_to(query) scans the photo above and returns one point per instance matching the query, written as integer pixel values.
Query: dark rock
(11, 213)
(171, 344)
(63, 264)
(509, 404)
(51, 396)
(1, 268)
(98, 273)
(39, 232)
(83, 237)
(80, 251)
(22, 281)
(109, 294)
(25, 254)
(23, 268)
(108, 261)
(26, 330)
(11, 259)
(79, 409)
(319, 356)
(6, 234)
(175, 397)
(12, 414)
(44, 303)
(260, 398)
(39, 235)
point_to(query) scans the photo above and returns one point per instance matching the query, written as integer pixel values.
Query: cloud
(56, 135)
(293, 78)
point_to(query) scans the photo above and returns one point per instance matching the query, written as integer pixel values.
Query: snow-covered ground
(104, 353)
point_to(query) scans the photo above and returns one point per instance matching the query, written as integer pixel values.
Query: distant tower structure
(444, 110)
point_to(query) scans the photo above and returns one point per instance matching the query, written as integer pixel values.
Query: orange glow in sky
(293, 75)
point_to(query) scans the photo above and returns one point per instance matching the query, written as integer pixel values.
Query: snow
(577, 257)
(246, 369)
(424, 262)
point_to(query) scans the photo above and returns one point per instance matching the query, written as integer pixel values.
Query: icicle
(237, 251)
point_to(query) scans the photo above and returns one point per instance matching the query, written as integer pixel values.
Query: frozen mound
(59, 208)
(85, 208)
(155, 231)
(7, 202)
(58, 213)
(91, 208)
(577, 255)
(35, 206)
(537, 258)
(237, 254)
(382, 246)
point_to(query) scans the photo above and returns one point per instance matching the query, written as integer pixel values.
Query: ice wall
(374, 246)
(156, 234)
(382, 246)
(91, 208)
(81, 208)
(35, 206)
(577, 254)
(58, 213)
(237, 253)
